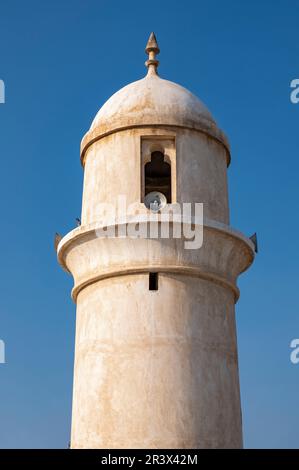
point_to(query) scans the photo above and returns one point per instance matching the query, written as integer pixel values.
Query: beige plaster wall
(113, 167)
(156, 369)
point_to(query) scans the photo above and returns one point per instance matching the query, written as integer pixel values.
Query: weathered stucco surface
(156, 369)
(112, 167)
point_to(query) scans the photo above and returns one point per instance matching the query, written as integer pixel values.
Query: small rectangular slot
(153, 281)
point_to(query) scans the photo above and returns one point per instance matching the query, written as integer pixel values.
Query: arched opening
(157, 176)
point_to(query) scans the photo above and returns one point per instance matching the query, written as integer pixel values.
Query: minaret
(156, 361)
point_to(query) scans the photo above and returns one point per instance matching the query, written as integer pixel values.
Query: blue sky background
(60, 61)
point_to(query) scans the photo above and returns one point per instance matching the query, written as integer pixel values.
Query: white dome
(153, 100)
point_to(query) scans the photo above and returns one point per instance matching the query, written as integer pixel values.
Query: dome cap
(152, 102)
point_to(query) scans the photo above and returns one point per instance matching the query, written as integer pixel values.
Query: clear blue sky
(60, 61)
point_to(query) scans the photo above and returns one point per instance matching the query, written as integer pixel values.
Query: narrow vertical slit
(153, 281)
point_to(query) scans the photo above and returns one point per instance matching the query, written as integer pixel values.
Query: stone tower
(156, 361)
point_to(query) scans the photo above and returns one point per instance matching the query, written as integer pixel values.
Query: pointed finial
(152, 49)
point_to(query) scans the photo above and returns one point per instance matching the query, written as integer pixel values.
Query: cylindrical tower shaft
(156, 361)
